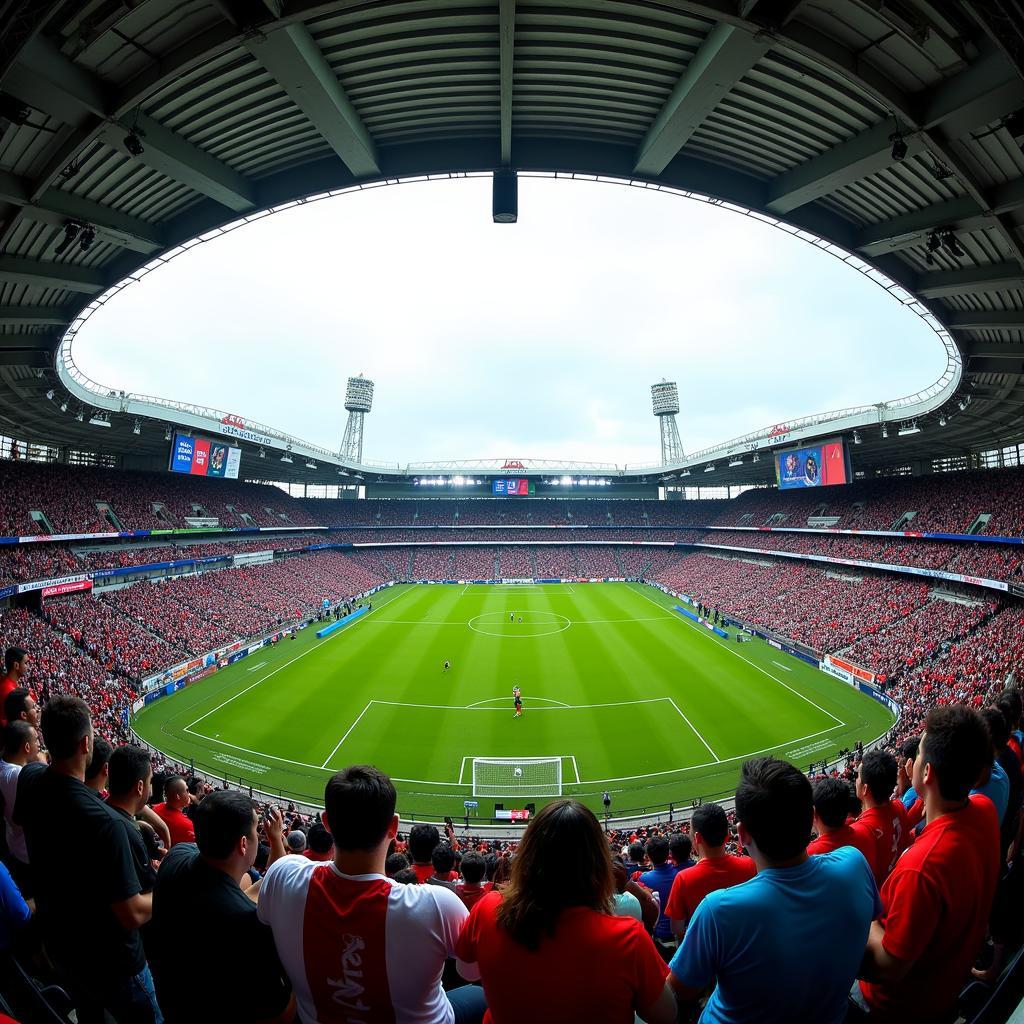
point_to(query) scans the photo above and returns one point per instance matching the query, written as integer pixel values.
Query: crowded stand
(717, 933)
(106, 501)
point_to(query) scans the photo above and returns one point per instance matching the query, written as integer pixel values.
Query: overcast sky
(537, 339)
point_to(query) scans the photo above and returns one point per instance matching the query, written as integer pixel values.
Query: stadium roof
(891, 132)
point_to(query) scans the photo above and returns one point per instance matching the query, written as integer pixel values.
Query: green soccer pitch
(630, 695)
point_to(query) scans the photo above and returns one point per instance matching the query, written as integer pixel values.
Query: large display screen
(820, 465)
(511, 488)
(201, 456)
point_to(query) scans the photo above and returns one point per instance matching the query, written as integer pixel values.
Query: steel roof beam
(856, 158)
(34, 316)
(294, 60)
(984, 92)
(987, 320)
(55, 206)
(46, 80)
(991, 277)
(962, 214)
(51, 275)
(724, 57)
(507, 45)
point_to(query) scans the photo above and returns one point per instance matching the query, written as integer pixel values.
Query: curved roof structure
(891, 132)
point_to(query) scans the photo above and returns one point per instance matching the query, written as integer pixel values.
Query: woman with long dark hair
(547, 945)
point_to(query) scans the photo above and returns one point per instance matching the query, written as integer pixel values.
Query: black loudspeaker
(532, 808)
(498, 807)
(505, 197)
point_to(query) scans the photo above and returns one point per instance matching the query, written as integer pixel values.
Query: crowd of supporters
(829, 901)
(104, 501)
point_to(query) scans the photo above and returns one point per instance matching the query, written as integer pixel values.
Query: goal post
(517, 776)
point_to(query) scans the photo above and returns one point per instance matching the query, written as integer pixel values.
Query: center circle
(522, 624)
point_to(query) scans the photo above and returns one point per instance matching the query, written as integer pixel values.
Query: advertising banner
(67, 588)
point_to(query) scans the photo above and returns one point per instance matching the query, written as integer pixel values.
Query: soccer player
(517, 699)
(447, 665)
(511, 616)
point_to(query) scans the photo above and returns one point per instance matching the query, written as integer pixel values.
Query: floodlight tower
(358, 400)
(665, 402)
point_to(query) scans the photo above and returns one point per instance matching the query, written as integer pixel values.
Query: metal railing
(906, 408)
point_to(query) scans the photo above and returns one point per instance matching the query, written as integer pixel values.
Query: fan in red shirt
(15, 667)
(833, 799)
(547, 947)
(175, 800)
(715, 869)
(883, 824)
(938, 898)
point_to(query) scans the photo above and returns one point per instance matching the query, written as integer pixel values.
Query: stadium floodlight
(685, 472)
(310, 464)
(133, 142)
(566, 481)
(951, 244)
(167, 434)
(736, 462)
(86, 238)
(907, 429)
(263, 453)
(287, 458)
(80, 415)
(757, 458)
(99, 419)
(899, 146)
(64, 406)
(137, 428)
(942, 420)
(458, 481)
(856, 437)
(71, 230)
(709, 469)
(885, 430)
(50, 394)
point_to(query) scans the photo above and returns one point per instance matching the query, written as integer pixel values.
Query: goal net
(517, 776)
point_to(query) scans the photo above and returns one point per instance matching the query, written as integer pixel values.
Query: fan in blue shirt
(785, 946)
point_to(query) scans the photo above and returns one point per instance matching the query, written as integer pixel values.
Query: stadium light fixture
(885, 430)
(709, 469)
(80, 415)
(50, 394)
(942, 420)
(310, 464)
(263, 453)
(757, 458)
(86, 238)
(133, 141)
(287, 458)
(685, 472)
(964, 402)
(99, 419)
(907, 429)
(64, 406)
(856, 437)
(899, 144)
(566, 481)
(71, 230)
(137, 428)
(736, 462)
(167, 434)
(951, 244)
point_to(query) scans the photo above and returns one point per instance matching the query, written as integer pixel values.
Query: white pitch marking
(694, 728)
(350, 728)
(269, 675)
(785, 668)
(752, 664)
(572, 757)
(256, 668)
(530, 700)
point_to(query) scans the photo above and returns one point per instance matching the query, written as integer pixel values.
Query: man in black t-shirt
(90, 905)
(129, 785)
(202, 915)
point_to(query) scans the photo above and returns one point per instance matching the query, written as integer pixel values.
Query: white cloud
(539, 339)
